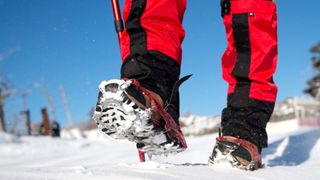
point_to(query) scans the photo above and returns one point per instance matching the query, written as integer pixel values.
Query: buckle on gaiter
(225, 7)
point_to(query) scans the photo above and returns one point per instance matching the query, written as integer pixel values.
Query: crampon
(238, 152)
(120, 115)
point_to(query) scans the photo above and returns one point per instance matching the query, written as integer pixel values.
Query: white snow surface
(293, 154)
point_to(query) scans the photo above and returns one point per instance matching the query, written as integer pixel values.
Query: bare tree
(4, 92)
(25, 111)
(5, 87)
(66, 106)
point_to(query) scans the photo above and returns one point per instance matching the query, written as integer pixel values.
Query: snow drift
(8, 138)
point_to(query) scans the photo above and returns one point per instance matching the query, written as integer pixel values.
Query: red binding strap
(171, 127)
(252, 149)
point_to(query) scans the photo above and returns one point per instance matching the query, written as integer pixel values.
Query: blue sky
(72, 43)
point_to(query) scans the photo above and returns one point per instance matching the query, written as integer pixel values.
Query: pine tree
(314, 83)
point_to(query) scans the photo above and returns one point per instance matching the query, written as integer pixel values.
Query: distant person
(55, 129)
(42, 130)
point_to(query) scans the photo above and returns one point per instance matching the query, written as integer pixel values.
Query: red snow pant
(248, 63)
(153, 25)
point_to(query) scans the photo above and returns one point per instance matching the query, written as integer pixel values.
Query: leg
(249, 63)
(151, 45)
(142, 104)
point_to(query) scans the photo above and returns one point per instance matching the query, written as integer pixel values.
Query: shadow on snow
(296, 152)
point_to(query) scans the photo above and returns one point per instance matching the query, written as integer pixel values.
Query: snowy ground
(292, 154)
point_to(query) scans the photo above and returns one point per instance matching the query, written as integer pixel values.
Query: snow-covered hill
(199, 125)
(293, 153)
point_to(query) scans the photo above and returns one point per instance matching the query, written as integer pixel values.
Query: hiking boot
(239, 153)
(143, 106)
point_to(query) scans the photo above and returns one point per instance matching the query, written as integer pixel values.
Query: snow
(199, 125)
(72, 134)
(7, 138)
(293, 154)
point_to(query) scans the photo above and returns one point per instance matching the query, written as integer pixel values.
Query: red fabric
(263, 42)
(162, 21)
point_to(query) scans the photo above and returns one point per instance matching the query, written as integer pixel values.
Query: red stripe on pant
(162, 22)
(262, 31)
